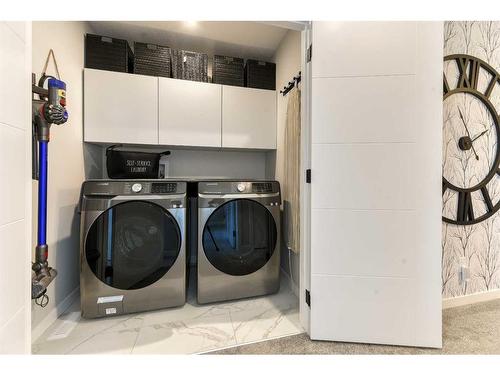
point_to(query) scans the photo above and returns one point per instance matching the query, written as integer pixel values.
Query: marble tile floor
(189, 329)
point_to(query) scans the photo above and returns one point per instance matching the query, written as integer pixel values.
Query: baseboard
(52, 316)
(471, 298)
(293, 286)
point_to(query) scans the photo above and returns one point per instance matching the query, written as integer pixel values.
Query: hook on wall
(294, 82)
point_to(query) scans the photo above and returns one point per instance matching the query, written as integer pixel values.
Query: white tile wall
(15, 202)
(12, 168)
(14, 264)
(13, 335)
(13, 77)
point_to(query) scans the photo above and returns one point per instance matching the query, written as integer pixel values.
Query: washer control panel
(131, 187)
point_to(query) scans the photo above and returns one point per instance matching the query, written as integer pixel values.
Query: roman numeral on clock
(468, 72)
(491, 86)
(465, 211)
(487, 198)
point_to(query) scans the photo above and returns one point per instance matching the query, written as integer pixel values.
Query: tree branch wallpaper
(476, 246)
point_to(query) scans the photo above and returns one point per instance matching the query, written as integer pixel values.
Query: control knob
(136, 188)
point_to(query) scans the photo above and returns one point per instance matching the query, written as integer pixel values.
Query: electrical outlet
(464, 274)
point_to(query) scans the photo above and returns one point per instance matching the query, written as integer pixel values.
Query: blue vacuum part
(57, 83)
(42, 193)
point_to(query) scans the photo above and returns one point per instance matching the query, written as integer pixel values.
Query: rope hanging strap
(51, 53)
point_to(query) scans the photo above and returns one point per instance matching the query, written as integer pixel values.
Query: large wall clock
(471, 140)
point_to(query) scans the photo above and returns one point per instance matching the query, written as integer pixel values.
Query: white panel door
(248, 118)
(376, 182)
(190, 113)
(120, 107)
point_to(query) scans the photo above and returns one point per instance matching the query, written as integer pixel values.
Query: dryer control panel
(132, 187)
(238, 187)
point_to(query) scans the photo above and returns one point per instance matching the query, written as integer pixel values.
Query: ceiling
(248, 39)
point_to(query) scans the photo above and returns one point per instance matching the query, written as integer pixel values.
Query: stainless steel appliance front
(238, 239)
(133, 255)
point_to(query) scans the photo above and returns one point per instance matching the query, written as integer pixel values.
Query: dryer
(238, 239)
(132, 248)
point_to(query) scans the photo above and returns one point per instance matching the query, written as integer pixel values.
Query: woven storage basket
(228, 71)
(152, 59)
(189, 65)
(260, 74)
(107, 53)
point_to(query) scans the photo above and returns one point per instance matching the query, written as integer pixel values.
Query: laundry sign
(138, 166)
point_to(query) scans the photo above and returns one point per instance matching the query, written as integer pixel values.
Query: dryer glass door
(132, 244)
(239, 237)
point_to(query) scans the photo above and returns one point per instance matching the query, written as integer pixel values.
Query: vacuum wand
(49, 109)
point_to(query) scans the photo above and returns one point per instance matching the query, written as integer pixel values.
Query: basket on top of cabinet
(152, 60)
(189, 65)
(105, 53)
(260, 74)
(228, 70)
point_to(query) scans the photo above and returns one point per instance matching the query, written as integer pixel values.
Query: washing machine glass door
(239, 237)
(132, 244)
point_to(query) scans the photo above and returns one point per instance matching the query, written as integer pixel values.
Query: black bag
(132, 164)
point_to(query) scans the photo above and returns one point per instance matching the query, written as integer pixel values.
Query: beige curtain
(291, 187)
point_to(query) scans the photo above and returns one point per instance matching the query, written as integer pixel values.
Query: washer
(238, 239)
(132, 246)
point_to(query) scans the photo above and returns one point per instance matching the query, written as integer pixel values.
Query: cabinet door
(190, 113)
(120, 107)
(248, 118)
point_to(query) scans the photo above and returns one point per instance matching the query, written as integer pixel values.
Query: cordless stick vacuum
(47, 110)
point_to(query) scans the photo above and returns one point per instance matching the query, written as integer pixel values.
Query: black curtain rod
(295, 81)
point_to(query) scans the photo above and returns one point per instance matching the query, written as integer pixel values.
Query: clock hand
(480, 135)
(465, 125)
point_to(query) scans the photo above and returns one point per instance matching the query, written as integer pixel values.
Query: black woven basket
(228, 71)
(189, 65)
(152, 60)
(121, 164)
(260, 75)
(105, 53)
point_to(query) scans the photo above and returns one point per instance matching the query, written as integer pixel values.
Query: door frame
(305, 188)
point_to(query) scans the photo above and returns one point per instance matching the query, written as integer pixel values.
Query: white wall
(475, 246)
(66, 170)
(288, 65)
(376, 182)
(15, 189)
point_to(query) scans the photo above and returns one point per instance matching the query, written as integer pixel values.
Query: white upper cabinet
(190, 113)
(137, 109)
(248, 118)
(120, 107)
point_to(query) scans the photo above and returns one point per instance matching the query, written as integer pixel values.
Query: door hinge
(308, 176)
(308, 298)
(309, 53)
